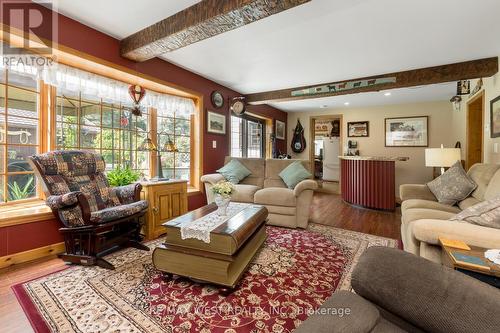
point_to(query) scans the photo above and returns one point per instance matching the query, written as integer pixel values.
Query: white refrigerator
(331, 161)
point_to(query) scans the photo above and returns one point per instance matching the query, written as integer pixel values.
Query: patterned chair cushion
(122, 194)
(114, 213)
(61, 201)
(70, 163)
(95, 187)
(67, 172)
(71, 217)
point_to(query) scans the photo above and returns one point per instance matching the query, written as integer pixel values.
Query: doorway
(326, 146)
(474, 129)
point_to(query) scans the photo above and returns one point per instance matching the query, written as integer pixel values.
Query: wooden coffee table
(223, 261)
(490, 275)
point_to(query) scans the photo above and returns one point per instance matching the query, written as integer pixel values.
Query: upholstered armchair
(96, 218)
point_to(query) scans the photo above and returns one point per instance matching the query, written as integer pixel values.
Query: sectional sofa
(424, 219)
(287, 207)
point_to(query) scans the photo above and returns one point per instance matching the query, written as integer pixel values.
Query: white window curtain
(72, 80)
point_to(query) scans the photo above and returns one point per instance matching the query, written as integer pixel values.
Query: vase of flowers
(222, 191)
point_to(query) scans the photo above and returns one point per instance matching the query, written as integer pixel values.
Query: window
(109, 129)
(19, 135)
(247, 137)
(178, 130)
(71, 109)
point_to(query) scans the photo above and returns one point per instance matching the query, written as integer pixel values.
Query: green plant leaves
(122, 176)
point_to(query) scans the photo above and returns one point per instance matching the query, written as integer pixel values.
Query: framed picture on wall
(358, 129)
(280, 130)
(216, 123)
(407, 132)
(495, 117)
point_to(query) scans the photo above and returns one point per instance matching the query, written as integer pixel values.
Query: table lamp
(169, 147)
(442, 157)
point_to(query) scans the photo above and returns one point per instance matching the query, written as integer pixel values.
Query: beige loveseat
(287, 207)
(424, 219)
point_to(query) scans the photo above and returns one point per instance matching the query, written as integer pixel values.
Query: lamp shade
(442, 157)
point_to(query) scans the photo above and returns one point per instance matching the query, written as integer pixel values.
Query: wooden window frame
(33, 211)
(244, 134)
(102, 105)
(41, 139)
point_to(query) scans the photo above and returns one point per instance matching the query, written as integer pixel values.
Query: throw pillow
(452, 186)
(234, 171)
(294, 174)
(486, 214)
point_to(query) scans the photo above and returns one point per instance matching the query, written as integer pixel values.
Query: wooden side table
(490, 276)
(167, 200)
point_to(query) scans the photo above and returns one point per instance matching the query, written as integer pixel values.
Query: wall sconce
(456, 101)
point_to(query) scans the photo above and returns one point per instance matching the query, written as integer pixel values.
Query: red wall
(85, 39)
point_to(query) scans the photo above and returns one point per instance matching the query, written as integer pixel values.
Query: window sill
(37, 211)
(34, 211)
(192, 191)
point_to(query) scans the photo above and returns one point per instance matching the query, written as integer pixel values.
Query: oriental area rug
(293, 274)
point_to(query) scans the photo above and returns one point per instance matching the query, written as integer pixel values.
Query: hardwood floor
(328, 209)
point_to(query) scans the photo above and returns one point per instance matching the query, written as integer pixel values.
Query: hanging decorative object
(238, 105)
(478, 87)
(298, 141)
(343, 86)
(455, 100)
(463, 87)
(137, 93)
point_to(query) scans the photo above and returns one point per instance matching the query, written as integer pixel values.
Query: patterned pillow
(486, 214)
(452, 186)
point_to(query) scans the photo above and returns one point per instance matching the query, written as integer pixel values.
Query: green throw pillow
(234, 171)
(294, 174)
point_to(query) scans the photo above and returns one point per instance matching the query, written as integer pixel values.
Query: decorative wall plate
(217, 99)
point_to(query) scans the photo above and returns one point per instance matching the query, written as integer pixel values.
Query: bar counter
(369, 181)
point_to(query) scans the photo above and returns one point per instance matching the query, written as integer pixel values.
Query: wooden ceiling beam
(203, 20)
(412, 78)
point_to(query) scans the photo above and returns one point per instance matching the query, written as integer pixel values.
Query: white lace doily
(201, 228)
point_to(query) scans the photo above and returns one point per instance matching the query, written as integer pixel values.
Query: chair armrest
(415, 191)
(427, 295)
(307, 184)
(56, 202)
(348, 308)
(429, 230)
(128, 193)
(213, 178)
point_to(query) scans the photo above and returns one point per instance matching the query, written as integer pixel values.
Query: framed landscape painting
(407, 132)
(280, 130)
(216, 123)
(358, 129)
(495, 117)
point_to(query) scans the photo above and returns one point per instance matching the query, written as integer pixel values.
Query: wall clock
(217, 99)
(238, 105)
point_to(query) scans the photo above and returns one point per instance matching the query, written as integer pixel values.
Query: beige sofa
(424, 219)
(287, 207)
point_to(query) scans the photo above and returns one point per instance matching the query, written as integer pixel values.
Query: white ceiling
(318, 42)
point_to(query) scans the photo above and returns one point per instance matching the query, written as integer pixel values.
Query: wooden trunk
(223, 260)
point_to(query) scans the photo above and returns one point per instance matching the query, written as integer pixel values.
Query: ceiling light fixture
(387, 94)
(346, 103)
